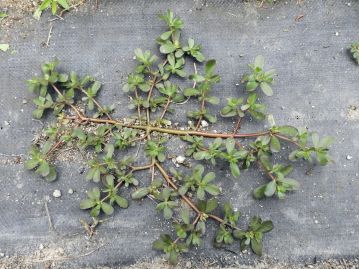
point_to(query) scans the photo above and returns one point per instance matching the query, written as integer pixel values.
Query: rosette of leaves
(319, 149)
(170, 247)
(199, 183)
(236, 107)
(279, 184)
(254, 235)
(169, 42)
(203, 90)
(259, 78)
(156, 149)
(354, 49)
(39, 162)
(194, 50)
(213, 151)
(233, 156)
(95, 203)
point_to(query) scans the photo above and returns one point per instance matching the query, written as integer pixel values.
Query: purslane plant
(85, 124)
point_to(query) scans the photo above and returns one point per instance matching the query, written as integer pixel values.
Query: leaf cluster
(53, 4)
(354, 49)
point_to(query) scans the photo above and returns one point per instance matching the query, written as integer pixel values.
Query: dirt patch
(16, 10)
(20, 11)
(23, 263)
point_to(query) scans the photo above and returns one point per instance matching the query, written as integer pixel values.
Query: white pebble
(6, 123)
(180, 159)
(204, 123)
(349, 157)
(70, 191)
(56, 193)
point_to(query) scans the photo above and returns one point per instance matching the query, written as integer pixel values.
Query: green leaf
(292, 183)
(3, 15)
(121, 202)
(251, 86)
(4, 47)
(185, 215)
(37, 113)
(209, 177)
(230, 144)
(274, 144)
(200, 155)
(167, 48)
(270, 188)
(211, 205)
(258, 193)
(235, 169)
(191, 92)
(31, 164)
(212, 189)
(53, 7)
(214, 100)
(259, 61)
(200, 193)
(315, 139)
(87, 203)
(166, 35)
(107, 208)
(326, 142)
(173, 257)
(266, 89)
(256, 246)
(37, 14)
(288, 130)
(63, 3)
(52, 175)
(43, 169)
(167, 213)
(140, 193)
(265, 227)
(239, 234)
(94, 194)
(209, 67)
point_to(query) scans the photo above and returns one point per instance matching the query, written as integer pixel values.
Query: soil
(57, 256)
(20, 12)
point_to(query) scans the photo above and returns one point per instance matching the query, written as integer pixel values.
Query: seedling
(187, 196)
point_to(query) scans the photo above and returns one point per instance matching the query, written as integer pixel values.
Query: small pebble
(41, 247)
(349, 157)
(316, 221)
(336, 33)
(56, 193)
(2, 254)
(70, 191)
(180, 159)
(24, 101)
(6, 123)
(188, 264)
(204, 123)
